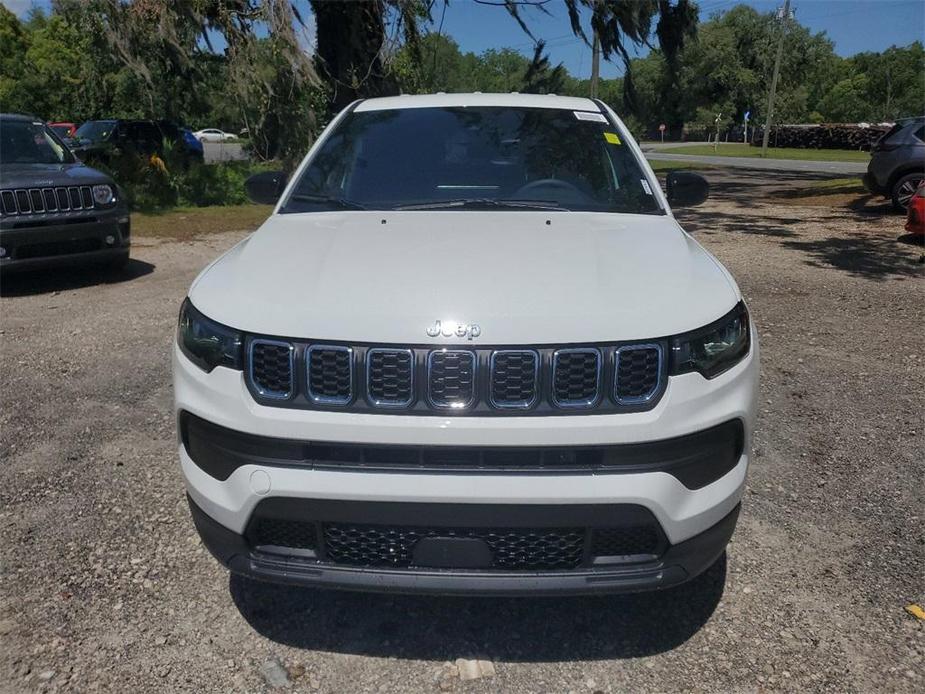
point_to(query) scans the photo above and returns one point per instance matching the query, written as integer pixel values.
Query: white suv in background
(471, 351)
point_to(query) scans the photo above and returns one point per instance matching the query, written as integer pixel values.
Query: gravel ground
(105, 587)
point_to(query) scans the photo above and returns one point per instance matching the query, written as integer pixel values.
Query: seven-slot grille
(44, 200)
(451, 378)
(638, 369)
(477, 381)
(514, 379)
(271, 364)
(330, 374)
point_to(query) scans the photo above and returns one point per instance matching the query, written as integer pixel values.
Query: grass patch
(186, 223)
(743, 150)
(663, 165)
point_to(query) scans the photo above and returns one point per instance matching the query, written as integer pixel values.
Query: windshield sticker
(590, 115)
(645, 186)
(612, 138)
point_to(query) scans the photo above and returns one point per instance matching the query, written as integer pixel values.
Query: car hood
(523, 277)
(49, 175)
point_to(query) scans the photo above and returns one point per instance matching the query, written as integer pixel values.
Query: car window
(25, 142)
(920, 133)
(428, 156)
(95, 130)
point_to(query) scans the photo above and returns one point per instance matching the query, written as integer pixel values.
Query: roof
(511, 100)
(19, 117)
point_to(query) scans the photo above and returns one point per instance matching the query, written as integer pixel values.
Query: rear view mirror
(265, 188)
(686, 189)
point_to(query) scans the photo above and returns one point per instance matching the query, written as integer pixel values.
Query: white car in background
(214, 135)
(471, 351)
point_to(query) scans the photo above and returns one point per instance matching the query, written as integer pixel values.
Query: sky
(853, 25)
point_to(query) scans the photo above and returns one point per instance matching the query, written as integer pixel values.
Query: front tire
(905, 188)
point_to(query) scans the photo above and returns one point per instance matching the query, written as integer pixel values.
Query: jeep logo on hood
(454, 329)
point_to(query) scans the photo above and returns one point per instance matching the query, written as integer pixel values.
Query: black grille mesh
(513, 379)
(576, 377)
(272, 368)
(451, 378)
(285, 533)
(637, 372)
(511, 548)
(330, 376)
(389, 377)
(625, 541)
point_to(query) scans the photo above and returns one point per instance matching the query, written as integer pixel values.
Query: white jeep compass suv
(470, 351)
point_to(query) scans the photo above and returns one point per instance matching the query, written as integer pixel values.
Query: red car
(63, 129)
(915, 213)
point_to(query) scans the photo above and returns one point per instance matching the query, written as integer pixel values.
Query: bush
(153, 183)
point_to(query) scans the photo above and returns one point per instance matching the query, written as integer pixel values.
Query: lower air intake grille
(638, 371)
(272, 368)
(628, 541)
(511, 548)
(330, 374)
(285, 533)
(451, 378)
(576, 377)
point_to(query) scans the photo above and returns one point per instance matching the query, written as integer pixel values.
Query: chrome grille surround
(583, 401)
(441, 401)
(659, 369)
(382, 401)
(266, 392)
(523, 404)
(321, 398)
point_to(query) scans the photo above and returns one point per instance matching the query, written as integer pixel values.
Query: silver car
(897, 162)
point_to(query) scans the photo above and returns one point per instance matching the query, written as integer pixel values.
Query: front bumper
(675, 565)
(40, 241)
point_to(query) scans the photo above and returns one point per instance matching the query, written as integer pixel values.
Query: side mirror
(266, 187)
(686, 189)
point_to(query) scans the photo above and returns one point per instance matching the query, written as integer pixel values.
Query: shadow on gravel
(507, 629)
(45, 281)
(871, 257)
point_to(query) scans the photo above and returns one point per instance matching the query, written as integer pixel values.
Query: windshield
(95, 130)
(460, 158)
(22, 142)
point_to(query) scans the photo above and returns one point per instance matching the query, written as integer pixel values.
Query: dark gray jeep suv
(54, 210)
(897, 162)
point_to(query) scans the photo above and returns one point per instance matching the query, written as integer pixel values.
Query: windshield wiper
(485, 202)
(341, 203)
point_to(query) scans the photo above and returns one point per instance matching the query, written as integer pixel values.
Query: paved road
(848, 168)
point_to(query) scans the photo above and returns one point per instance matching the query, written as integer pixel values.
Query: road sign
(662, 129)
(747, 114)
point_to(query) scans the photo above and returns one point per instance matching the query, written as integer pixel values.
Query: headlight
(207, 343)
(103, 194)
(712, 350)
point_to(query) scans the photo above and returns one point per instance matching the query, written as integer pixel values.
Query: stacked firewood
(824, 136)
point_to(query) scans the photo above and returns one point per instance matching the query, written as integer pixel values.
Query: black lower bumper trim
(679, 563)
(695, 459)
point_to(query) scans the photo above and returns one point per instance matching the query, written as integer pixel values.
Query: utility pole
(783, 16)
(595, 63)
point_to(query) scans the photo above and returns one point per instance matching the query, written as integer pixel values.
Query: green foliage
(152, 183)
(728, 69)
